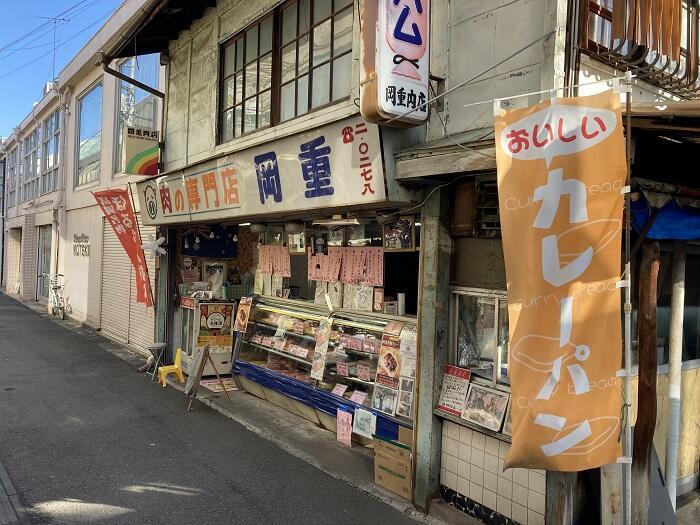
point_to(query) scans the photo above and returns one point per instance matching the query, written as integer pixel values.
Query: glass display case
(358, 371)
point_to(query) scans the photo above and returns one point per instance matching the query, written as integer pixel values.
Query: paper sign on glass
(344, 427)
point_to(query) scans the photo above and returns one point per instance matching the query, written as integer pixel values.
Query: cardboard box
(393, 449)
(406, 436)
(392, 474)
(392, 466)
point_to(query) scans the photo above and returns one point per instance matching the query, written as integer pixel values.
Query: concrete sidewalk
(87, 439)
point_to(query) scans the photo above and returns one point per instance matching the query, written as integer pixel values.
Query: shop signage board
(116, 207)
(395, 37)
(337, 165)
(81, 245)
(561, 168)
(141, 151)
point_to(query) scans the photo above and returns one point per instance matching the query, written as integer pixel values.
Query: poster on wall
(394, 46)
(215, 326)
(565, 246)
(116, 207)
(455, 386)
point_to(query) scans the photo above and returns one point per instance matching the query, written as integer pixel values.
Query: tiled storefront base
(472, 508)
(474, 480)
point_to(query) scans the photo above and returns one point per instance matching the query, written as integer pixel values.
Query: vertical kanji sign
(395, 38)
(561, 169)
(117, 209)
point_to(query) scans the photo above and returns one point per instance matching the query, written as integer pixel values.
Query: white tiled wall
(472, 464)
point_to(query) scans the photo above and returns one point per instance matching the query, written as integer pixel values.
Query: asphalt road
(86, 439)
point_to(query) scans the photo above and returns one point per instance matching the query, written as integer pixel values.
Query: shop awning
(160, 22)
(474, 151)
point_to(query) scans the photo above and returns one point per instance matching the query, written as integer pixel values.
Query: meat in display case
(329, 360)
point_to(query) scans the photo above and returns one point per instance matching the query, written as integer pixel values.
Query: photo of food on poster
(485, 407)
(243, 314)
(215, 325)
(322, 339)
(389, 362)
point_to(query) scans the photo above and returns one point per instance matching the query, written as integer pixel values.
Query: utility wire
(27, 64)
(42, 26)
(12, 50)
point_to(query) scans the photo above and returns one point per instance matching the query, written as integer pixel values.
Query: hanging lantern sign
(395, 36)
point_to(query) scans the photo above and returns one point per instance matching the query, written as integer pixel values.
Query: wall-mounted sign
(395, 37)
(335, 165)
(81, 245)
(141, 151)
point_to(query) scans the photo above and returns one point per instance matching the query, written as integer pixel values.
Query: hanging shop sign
(117, 209)
(395, 37)
(335, 165)
(561, 166)
(81, 245)
(140, 151)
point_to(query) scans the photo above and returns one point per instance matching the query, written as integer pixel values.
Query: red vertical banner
(116, 207)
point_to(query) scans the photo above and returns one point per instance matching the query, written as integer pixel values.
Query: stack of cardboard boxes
(392, 463)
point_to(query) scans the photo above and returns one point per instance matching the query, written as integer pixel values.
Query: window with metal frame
(89, 136)
(665, 53)
(50, 152)
(479, 333)
(12, 167)
(294, 60)
(30, 166)
(135, 107)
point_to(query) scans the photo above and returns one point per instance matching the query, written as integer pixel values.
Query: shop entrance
(43, 264)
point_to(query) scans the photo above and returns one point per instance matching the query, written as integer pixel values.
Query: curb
(12, 512)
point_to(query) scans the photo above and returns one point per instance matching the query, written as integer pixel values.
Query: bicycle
(56, 301)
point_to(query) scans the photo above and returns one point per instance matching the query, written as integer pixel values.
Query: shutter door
(142, 319)
(116, 288)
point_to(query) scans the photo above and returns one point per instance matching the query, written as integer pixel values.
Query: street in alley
(84, 438)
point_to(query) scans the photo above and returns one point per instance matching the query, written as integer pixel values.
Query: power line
(47, 24)
(27, 64)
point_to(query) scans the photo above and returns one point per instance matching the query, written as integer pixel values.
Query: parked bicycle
(56, 302)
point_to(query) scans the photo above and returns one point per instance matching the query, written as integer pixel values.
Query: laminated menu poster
(323, 335)
(243, 314)
(455, 385)
(389, 362)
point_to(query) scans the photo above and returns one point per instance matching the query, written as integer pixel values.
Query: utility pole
(55, 21)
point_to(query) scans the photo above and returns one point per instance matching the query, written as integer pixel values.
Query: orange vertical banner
(561, 168)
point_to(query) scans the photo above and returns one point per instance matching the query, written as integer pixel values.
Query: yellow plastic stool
(176, 369)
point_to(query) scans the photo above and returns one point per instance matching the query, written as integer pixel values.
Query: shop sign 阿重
(81, 245)
(395, 39)
(336, 165)
(561, 166)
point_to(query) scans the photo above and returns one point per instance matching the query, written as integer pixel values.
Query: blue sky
(25, 60)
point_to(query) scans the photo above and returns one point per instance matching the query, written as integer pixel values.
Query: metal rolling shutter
(115, 289)
(142, 319)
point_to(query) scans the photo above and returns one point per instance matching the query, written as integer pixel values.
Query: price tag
(339, 389)
(358, 396)
(363, 372)
(342, 369)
